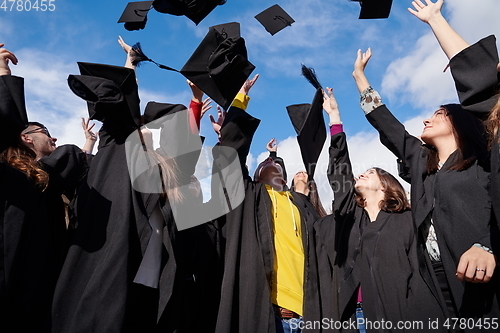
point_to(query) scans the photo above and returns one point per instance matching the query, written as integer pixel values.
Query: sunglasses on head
(43, 130)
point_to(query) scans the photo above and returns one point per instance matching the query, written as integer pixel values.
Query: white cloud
(48, 97)
(418, 77)
(6, 29)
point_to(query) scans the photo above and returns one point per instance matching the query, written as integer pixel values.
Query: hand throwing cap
(274, 19)
(307, 119)
(219, 66)
(135, 15)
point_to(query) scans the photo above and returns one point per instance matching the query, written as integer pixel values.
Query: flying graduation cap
(195, 10)
(219, 66)
(110, 91)
(135, 15)
(274, 19)
(308, 122)
(374, 9)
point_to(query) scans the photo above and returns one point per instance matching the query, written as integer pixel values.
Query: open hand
(428, 11)
(245, 88)
(217, 125)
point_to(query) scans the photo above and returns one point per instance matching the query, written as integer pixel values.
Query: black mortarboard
(219, 66)
(108, 90)
(274, 19)
(176, 138)
(374, 9)
(13, 118)
(155, 111)
(226, 30)
(195, 10)
(135, 15)
(474, 70)
(307, 119)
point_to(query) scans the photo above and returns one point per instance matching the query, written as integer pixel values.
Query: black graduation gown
(381, 256)
(34, 239)
(249, 251)
(461, 211)
(476, 79)
(95, 291)
(32, 233)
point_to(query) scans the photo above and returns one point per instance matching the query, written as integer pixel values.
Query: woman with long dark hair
(371, 243)
(450, 201)
(308, 188)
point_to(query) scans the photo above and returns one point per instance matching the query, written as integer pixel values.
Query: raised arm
(13, 119)
(339, 171)
(238, 127)
(430, 12)
(129, 51)
(392, 133)
(197, 107)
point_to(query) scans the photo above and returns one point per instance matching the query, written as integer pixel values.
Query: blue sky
(407, 64)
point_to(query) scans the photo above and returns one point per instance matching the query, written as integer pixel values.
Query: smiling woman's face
(437, 126)
(368, 181)
(300, 176)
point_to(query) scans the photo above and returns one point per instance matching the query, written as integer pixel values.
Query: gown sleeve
(474, 71)
(66, 166)
(13, 118)
(394, 136)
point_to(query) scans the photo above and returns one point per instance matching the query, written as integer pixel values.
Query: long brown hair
(395, 199)
(23, 158)
(493, 124)
(470, 135)
(313, 197)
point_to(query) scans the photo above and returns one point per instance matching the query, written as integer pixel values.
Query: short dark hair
(35, 123)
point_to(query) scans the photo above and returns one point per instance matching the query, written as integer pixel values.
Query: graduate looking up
(37, 137)
(33, 228)
(267, 269)
(475, 71)
(451, 206)
(371, 239)
(300, 183)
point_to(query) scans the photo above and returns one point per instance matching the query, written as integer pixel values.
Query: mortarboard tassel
(139, 57)
(310, 75)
